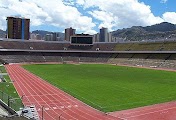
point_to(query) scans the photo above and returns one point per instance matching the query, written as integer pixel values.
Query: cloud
(163, 1)
(44, 12)
(113, 14)
(170, 17)
(80, 2)
(91, 32)
(116, 14)
(68, 2)
(107, 18)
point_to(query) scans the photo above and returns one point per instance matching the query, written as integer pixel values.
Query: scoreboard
(81, 40)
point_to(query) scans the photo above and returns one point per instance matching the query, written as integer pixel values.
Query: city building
(38, 37)
(96, 37)
(69, 32)
(54, 36)
(103, 35)
(18, 28)
(2, 35)
(110, 37)
(33, 36)
(49, 37)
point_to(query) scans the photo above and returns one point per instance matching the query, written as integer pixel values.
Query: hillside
(155, 32)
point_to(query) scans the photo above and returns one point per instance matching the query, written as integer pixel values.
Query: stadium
(99, 81)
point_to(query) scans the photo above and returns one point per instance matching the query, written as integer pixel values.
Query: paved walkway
(3, 112)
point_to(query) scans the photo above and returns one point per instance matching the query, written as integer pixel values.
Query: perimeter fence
(14, 103)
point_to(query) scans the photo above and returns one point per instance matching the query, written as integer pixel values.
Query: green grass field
(7, 86)
(108, 87)
(7, 91)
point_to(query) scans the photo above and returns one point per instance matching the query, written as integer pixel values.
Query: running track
(55, 102)
(59, 105)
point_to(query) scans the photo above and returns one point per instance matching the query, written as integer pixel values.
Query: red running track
(59, 105)
(164, 111)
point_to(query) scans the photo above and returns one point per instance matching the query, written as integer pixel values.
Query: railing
(14, 103)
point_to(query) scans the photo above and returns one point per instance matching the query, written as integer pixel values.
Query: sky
(88, 16)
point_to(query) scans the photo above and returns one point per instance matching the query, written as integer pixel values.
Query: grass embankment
(8, 92)
(110, 88)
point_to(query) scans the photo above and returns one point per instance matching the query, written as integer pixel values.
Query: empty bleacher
(146, 46)
(45, 45)
(98, 52)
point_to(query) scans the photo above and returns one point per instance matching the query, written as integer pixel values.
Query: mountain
(138, 33)
(162, 27)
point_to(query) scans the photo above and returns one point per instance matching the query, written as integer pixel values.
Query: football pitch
(109, 87)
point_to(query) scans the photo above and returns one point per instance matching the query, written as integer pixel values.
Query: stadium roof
(78, 51)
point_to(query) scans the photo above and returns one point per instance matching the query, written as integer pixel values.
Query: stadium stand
(150, 54)
(146, 46)
(54, 45)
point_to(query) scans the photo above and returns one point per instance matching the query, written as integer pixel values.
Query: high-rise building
(110, 37)
(18, 28)
(54, 36)
(69, 32)
(49, 37)
(96, 37)
(103, 35)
